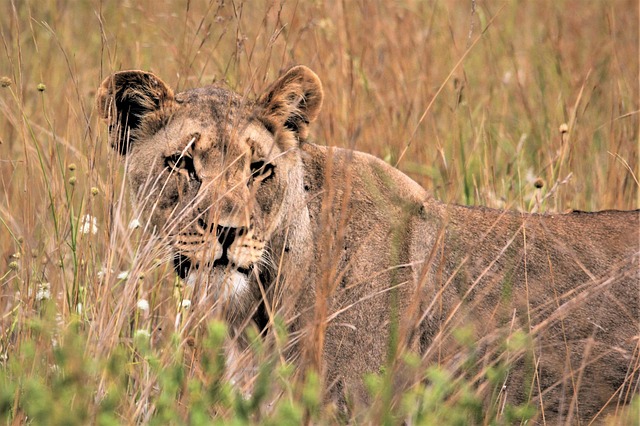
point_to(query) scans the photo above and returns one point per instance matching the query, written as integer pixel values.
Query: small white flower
(102, 272)
(123, 275)
(88, 224)
(186, 304)
(44, 292)
(134, 224)
(506, 78)
(529, 176)
(142, 333)
(143, 305)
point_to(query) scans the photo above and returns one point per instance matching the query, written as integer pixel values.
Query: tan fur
(347, 248)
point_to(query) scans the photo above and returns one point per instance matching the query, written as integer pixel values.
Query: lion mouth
(183, 265)
(226, 280)
(224, 264)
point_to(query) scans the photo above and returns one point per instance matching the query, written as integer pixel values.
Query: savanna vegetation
(530, 106)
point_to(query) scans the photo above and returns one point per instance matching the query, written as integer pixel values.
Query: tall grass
(521, 105)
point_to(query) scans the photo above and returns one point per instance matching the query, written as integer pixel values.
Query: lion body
(363, 261)
(572, 280)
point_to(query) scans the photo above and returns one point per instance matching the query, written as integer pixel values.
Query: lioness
(361, 260)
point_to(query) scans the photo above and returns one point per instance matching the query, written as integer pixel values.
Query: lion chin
(225, 284)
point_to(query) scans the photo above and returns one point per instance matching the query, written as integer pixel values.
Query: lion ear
(293, 101)
(134, 104)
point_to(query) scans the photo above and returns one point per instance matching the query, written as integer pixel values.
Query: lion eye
(181, 163)
(261, 171)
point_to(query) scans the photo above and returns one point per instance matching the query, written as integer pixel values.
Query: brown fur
(348, 248)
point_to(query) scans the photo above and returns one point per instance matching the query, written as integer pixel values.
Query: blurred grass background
(521, 105)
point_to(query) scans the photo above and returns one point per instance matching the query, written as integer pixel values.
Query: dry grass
(470, 102)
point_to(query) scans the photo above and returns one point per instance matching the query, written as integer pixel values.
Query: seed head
(564, 128)
(538, 183)
(41, 87)
(5, 81)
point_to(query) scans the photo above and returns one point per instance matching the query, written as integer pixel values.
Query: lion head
(218, 176)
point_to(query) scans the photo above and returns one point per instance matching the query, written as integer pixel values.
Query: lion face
(215, 175)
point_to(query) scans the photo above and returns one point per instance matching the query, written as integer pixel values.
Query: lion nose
(226, 235)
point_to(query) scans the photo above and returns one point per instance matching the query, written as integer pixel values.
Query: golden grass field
(521, 105)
